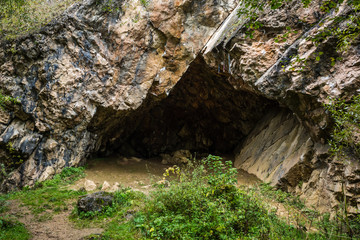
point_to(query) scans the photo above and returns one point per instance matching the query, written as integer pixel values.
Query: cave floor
(138, 174)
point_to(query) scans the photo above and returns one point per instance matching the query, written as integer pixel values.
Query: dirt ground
(138, 174)
(58, 227)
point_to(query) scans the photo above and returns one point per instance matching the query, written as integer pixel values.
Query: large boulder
(94, 202)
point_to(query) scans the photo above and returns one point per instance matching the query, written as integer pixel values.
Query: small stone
(164, 183)
(166, 158)
(106, 186)
(89, 185)
(181, 157)
(115, 187)
(130, 214)
(337, 188)
(135, 159)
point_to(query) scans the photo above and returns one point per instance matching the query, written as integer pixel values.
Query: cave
(203, 113)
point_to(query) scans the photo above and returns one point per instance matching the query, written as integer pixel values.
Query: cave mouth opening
(203, 113)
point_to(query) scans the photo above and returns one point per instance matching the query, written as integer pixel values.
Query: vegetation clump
(51, 195)
(346, 132)
(4, 100)
(201, 202)
(12, 229)
(19, 17)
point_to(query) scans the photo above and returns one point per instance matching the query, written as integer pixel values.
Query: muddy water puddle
(139, 174)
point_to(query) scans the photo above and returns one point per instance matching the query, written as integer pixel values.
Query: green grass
(19, 19)
(11, 229)
(48, 195)
(51, 194)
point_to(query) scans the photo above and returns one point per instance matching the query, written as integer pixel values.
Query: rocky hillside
(146, 78)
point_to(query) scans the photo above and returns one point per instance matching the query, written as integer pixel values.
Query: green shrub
(205, 204)
(3, 204)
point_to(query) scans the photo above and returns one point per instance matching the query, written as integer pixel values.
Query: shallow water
(139, 174)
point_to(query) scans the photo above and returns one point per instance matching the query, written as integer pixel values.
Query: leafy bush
(345, 144)
(205, 204)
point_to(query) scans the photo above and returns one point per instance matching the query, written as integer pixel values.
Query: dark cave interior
(202, 113)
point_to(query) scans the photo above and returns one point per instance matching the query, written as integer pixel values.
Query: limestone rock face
(290, 150)
(180, 74)
(277, 146)
(87, 71)
(270, 64)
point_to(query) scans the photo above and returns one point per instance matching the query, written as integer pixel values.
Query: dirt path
(58, 227)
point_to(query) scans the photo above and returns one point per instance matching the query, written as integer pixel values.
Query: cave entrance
(203, 113)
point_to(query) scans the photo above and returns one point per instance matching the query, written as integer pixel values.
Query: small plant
(3, 204)
(108, 6)
(11, 161)
(205, 204)
(284, 37)
(145, 3)
(346, 116)
(6, 100)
